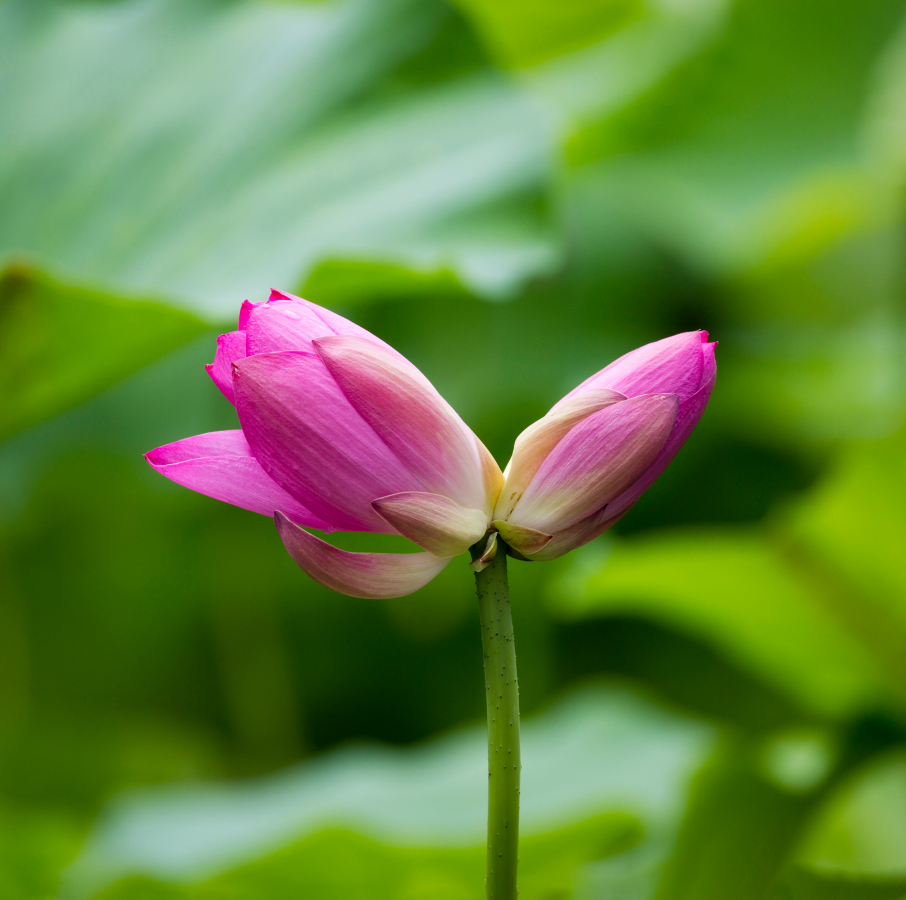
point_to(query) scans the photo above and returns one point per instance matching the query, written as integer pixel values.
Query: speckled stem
(502, 689)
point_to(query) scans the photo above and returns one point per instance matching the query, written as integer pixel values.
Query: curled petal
(230, 347)
(408, 414)
(372, 576)
(220, 465)
(311, 441)
(488, 552)
(525, 540)
(435, 523)
(537, 441)
(597, 460)
(673, 365)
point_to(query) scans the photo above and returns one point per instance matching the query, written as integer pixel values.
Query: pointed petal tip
(525, 540)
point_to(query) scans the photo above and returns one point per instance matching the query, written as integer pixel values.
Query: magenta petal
(334, 322)
(597, 460)
(673, 365)
(689, 412)
(245, 311)
(310, 440)
(220, 465)
(536, 442)
(284, 325)
(578, 535)
(230, 347)
(372, 576)
(412, 419)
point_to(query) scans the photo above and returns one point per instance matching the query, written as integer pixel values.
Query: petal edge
(371, 576)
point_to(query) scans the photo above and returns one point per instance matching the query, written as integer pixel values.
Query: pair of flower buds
(340, 431)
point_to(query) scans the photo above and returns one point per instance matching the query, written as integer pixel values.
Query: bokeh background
(512, 194)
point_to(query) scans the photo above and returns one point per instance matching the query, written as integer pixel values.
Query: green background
(512, 194)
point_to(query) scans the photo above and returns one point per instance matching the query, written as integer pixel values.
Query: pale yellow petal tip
(489, 552)
(525, 540)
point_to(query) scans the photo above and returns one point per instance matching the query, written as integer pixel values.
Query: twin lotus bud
(339, 431)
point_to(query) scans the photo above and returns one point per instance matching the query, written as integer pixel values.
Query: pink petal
(335, 323)
(230, 347)
(410, 417)
(311, 441)
(578, 535)
(599, 459)
(372, 576)
(536, 442)
(435, 523)
(687, 417)
(284, 325)
(287, 322)
(220, 465)
(673, 365)
(245, 311)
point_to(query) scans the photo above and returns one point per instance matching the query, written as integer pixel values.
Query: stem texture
(502, 690)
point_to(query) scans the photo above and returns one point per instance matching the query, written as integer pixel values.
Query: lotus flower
(581, 468)
(339, 431)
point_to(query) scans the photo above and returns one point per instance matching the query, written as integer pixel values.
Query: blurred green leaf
(862, 829)
(807, 884)
(337, 863)
(736, 835)
(34, 848)
(734, 588)
(527, 33)
(856, 521)
(817, 351)
(60, 345)
(206, 152)
(601, 751)
(753, 152)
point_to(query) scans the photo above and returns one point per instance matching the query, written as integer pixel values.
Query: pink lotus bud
(578, 470)
(339, 431)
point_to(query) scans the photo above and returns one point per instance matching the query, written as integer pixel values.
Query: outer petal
(411, 418)
(245, 311)
(373, 576)
(284, 325)
(599, 459)
(335, 323)
(230, 347)
(312, 442)
(673, 365)
(435, 523)
(690, 411)
(220, 465)
(287, 322)
(537, 441)
(577, 535)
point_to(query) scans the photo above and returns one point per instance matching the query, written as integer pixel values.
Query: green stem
(504, 764)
